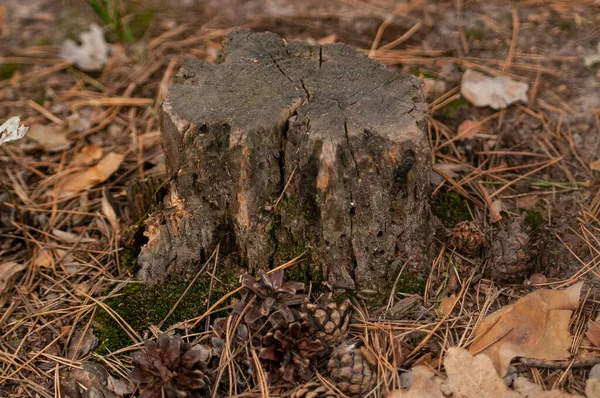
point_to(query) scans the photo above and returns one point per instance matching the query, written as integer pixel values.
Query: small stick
(573, 364)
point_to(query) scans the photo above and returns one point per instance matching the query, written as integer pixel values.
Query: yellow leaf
(43, 259)
(425, 384)
(88, 155)
(97, 174)
(536, 326)
(595, 165)
(470, 376)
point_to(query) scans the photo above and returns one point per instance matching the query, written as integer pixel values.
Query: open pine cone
(289, 352)
(330, 320)
(173, 366)
(274, 298)
(350, 371)
(467, 237)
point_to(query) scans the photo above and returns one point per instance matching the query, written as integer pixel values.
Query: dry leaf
(88, 155)
(50, 137)
(536, 326)
(593, 332)
(108, 209)
(447, 304)
(121, 388)
(469, 129)
(527, 202)
(92, 54)
(496, 92)
(595, 165)
(43, 258)
(81, 344)
(81, 180)
(495, 209)
(529, 389)
(592, 388)
(7, 271)
(425, 384)
(470, 376)
(11, 131)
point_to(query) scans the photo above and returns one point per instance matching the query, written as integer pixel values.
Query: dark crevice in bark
(320, 56)
(350, 147)
(353, 261)
(305, 89)
(279, 67)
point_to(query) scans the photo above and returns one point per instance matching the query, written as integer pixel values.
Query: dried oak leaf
(593, 332)
(529, 389)
(470, 376)
(536, 326)
(425, 384)
(97, 174)
(7, 270)
(50, 137)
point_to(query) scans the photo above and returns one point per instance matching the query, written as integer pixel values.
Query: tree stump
(281, 149)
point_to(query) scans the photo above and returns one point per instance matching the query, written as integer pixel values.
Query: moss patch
(534, 221)
(452, 109)
(451, 208)
(7, 70)
(411, 284)
(141, 306)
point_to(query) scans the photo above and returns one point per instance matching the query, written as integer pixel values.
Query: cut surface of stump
(283, 149)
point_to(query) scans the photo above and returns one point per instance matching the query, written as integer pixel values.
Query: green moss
(452, 109)
(141, 306)
(7, 70)
(534, 221)
(128, 258)
(474, 34)
(411, 285)
(451, 208)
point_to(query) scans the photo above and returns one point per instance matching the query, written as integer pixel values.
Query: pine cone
(312, 390)
(274, 298)
(172, 366)
(467, 237)
(350, 370)
(290, 351)
(330, 320)
(509, 262)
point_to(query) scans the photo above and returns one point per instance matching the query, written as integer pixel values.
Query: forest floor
(515, 189)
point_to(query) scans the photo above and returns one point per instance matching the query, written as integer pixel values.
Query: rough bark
(345, 133)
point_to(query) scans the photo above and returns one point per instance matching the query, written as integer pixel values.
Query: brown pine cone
(467, 237)
(312, 390)
(289, 352)
(509, 262)
(173, 366)
(274, 299)
(330, 320)
(350, 370)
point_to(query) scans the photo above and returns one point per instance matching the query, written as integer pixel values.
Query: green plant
(109, 13)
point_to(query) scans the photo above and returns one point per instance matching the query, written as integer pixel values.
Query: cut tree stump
(284, 148)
